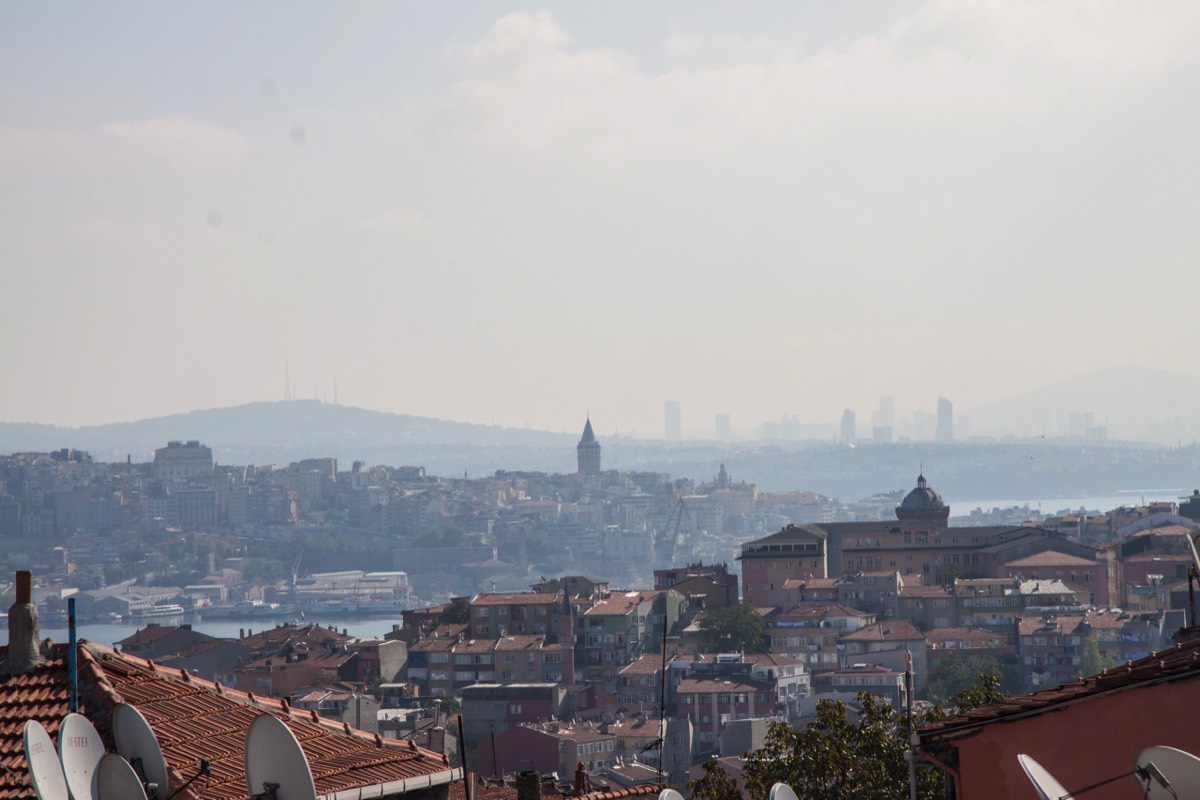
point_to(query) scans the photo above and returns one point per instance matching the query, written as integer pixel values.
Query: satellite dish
(1047, 786)
(117, 780)
(80, 750)
(781, 791)
(669, 794)
(274, 759)
(138, 745)
(44, 768)
(1165, 772)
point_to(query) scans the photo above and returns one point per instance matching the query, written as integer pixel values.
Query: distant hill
(279, 432)
(1133, 403)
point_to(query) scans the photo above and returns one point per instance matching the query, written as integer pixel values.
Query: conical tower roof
(588, 436)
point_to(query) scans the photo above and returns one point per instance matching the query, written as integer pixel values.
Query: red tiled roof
(193, 720)
(153, 632)
(621, 602)
(40, 695)
(937, 637)
(1178, 663)
(518, 599)
(920, 590)
(895, 630)
(1060, 625)
(819, 610)
(1050, 558)
(694, 685)
(312, 635)
(646, 664)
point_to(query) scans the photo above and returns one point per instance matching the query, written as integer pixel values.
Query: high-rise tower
(588, 451)
(945, 421)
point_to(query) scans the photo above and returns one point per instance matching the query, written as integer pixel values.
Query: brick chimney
(529, 785)
(23, 629)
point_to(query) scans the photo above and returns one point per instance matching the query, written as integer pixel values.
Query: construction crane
(668, 538)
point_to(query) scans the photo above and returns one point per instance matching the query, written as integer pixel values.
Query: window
(482, 613)
(515, 708)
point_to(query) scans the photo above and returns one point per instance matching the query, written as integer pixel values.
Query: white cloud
(117, 233)
(178, 143)
(165, 143)
(403, 221)
(529, 88)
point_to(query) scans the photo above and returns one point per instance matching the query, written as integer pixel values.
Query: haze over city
(517, 214)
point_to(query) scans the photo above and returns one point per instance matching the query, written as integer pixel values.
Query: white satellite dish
(116, 780)
(274, 759)
(669, 794)
(80, 750)
(137, 744)
(781, 791)
(1047, 786)
(44, 768)
(1165, 772)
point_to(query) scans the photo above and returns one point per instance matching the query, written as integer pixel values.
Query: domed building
(923, 505)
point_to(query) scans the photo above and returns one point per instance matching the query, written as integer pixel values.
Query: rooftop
(193, 720)
(1178, 663)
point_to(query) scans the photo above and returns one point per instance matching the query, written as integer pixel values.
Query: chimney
(529, 785)
(23, 629)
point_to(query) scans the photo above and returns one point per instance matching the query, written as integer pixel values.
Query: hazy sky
(519, 213)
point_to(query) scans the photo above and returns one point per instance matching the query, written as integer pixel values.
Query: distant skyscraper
(724, 427)
(587, 452)
(848, 427)
(945, 420)
(887, 412)
(674, 420)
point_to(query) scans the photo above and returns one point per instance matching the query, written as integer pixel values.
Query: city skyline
(760, 212)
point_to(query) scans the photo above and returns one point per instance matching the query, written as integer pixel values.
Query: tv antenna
(1153, 769)
(80, 750)
(1048, 787)
(45, 771)
(276, 768)
(781, 791)
(669, 794)
(138, 745)
(1166, 773)
(116, 779)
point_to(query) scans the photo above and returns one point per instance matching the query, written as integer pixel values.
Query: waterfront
(1057, 505)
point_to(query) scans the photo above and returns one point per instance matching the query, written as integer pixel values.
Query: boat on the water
(154, 612)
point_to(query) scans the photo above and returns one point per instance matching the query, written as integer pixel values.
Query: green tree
(1092, 661)
(957, 672)
(733, 628)
(715, 784)
(835, 757)
(984, 691)
(457, 611)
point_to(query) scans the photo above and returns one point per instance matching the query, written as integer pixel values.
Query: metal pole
(912, 735)
(72, 666)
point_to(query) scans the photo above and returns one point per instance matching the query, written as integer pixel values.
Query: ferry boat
(244, 609)
(154, 612)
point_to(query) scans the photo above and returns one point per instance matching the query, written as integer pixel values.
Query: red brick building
(1082, 732)
(797, 551)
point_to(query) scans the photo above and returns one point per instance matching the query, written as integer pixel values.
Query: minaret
(588, 451)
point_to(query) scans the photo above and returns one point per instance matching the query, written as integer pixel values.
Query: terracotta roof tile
(894, 630)
(517, 599)
(1050, 558)
(621, 602)
(193, 719)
